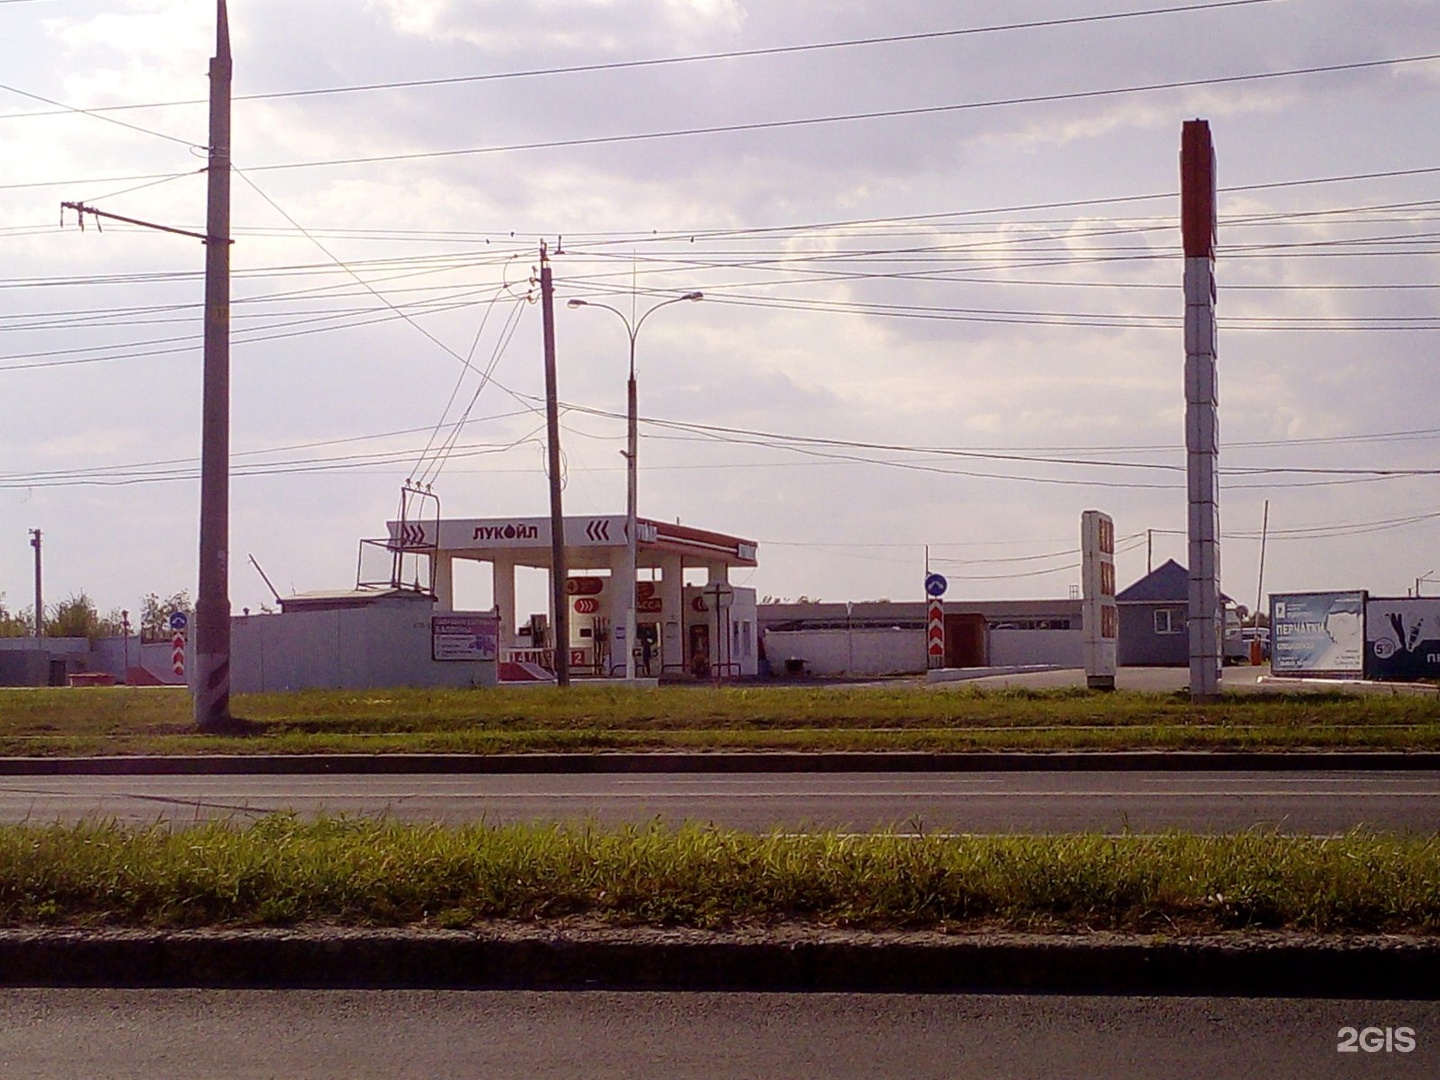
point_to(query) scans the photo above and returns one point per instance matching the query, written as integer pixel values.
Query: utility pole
(39, 599)
(212, 602)
(1260, 582)
(560, 572)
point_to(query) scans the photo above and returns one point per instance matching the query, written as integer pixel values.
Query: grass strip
(126, 720)
(366, 872)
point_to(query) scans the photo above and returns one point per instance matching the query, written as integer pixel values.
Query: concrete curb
(1377, 968)
(723, 762)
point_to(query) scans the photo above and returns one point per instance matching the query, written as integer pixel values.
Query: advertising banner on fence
(464, 637)
(1317, 633)
(1402, 638)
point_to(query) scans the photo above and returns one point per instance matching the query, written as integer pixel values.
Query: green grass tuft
(285, 871)
(124, 720)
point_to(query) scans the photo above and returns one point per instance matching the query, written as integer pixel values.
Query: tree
(77, 617)
(16, 624)
(155, 614)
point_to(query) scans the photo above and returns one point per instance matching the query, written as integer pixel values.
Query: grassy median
(285, 871)
(121, 720)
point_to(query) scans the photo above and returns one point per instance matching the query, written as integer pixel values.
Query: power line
(63, 108)
(770, 125)
(621, 65)
(880, 114)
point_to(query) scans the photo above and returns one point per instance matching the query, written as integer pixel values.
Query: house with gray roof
(1154, 618)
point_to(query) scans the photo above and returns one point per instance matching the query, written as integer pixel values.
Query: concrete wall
(847, 652)
(151, 662)
(876, 651)
(26, 662)
(24, 668)
(351, 649)
(58, 646)
(1062, 648)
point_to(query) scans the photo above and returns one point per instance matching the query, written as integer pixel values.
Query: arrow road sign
(935, 634)
(598, 531)
(935, 585)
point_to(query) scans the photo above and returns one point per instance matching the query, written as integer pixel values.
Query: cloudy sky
(938, 243)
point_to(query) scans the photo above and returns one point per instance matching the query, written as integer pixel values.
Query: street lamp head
(575, 303)
(693, 296)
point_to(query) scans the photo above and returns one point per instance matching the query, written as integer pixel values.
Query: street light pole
(632, 447)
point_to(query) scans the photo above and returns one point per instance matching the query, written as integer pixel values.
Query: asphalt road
(239, 1035)
(1010, 802)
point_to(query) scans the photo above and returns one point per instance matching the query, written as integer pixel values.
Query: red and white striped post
(1202, 406)
(935, 634)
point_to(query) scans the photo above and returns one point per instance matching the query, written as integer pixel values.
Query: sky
(938, 243)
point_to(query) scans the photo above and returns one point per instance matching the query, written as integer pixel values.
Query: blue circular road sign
(178, 620)
(935, 585)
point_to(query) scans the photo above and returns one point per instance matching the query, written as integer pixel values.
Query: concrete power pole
(212, 603)
(560, 572)
(39, 598)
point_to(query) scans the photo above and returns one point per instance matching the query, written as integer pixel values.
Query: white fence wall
(1022, 648)
(351, 649)
(156, 657)
(883, 651)
(866, 651)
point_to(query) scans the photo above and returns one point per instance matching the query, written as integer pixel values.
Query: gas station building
(705, 628)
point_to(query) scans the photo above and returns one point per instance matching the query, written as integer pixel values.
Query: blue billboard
(1402, 638)
(1318, 633)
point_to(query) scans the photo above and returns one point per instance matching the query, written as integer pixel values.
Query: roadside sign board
(1402, 638)
(935, 584)
(1315, 633)
(464, 637)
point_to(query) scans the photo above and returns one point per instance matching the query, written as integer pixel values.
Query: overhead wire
(464, 361)
(843, 118)
(751, 126)
(187, 143)
(621, 65)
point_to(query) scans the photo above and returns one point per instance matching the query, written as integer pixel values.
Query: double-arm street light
(631, 448)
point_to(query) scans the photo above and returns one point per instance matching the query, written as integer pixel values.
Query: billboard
(1402, 638)
(1317, 633)
(464, 637)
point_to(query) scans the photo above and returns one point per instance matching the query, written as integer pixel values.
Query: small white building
(360, 639)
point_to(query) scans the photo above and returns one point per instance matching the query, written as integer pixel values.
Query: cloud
(819, 247)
